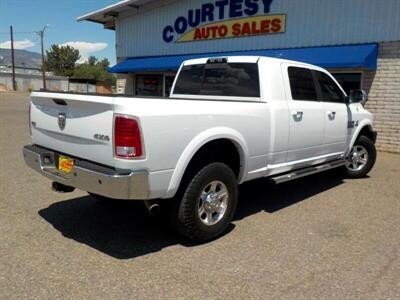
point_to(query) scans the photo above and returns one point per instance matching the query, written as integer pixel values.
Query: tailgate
(77, 125)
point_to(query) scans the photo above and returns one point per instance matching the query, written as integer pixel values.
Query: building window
(149, 85)
(348, 81)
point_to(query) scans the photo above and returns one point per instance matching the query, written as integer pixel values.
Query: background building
(28, 79)
(357, 40)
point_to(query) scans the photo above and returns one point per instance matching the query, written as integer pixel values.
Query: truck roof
(245, 59)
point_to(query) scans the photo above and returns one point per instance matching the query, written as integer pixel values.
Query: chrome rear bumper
(90, 177)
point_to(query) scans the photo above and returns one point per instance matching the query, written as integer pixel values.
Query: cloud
(23, 44)
(86, 48)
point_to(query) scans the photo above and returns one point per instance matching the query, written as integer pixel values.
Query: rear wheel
(208, 204)
(361, 158)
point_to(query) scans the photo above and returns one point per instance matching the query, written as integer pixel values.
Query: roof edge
(102, 11)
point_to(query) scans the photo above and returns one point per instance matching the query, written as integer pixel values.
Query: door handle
(331, 114)
(297, 114)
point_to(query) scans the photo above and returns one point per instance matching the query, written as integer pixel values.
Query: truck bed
(170, 124)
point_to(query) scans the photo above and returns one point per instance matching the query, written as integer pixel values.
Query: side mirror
(357, 96)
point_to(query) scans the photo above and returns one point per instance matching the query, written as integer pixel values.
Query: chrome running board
(307, 171)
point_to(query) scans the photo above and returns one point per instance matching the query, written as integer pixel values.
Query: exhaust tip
(155, 210)
(153, 207)
(61, 188)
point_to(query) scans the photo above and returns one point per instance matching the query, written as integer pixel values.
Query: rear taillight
(127, 139)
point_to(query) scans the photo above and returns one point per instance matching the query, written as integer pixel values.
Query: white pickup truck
(228, 120)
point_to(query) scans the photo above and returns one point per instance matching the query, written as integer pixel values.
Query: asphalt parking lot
(318, 237)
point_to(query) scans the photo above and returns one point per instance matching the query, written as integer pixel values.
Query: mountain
(22, 57)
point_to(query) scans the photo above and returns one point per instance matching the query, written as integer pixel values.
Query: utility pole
(13, 59)
(41, 34)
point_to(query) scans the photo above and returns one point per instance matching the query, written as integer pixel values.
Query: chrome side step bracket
(307, 171)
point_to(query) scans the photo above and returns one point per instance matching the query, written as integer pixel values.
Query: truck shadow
(124, 230)
(260, 195)
(121, 229)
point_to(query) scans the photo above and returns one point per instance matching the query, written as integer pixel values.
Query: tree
(105, 64)
(92, 61)
(95, 70)
(61, 60)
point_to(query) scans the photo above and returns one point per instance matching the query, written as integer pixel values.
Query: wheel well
(221, 150)
(367, 132)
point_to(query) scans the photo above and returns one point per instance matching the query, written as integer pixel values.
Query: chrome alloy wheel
(213, 203)
(357, 159)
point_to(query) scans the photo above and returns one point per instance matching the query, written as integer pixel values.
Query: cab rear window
(220, 79)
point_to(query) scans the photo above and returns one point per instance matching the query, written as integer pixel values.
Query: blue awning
(348, 56)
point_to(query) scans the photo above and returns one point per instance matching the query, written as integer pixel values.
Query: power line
(20, 32)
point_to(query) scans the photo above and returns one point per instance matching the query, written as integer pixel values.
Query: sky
(30, 16)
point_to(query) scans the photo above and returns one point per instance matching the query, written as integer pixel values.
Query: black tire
(369, 146)
(184, 211)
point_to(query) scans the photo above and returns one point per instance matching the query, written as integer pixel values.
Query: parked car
(228, 121)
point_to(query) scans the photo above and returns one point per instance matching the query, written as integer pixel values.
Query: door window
(330, 92)
(348, 81)
(302, 84)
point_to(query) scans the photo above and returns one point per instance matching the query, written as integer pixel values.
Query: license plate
(65, 164)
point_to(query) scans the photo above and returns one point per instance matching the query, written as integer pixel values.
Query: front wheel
(208, 204)
(361, 158)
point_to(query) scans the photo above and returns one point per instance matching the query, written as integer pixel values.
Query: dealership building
(358, 41)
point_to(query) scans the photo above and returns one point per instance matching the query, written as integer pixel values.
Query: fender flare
(199, 141)
(361, 126)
